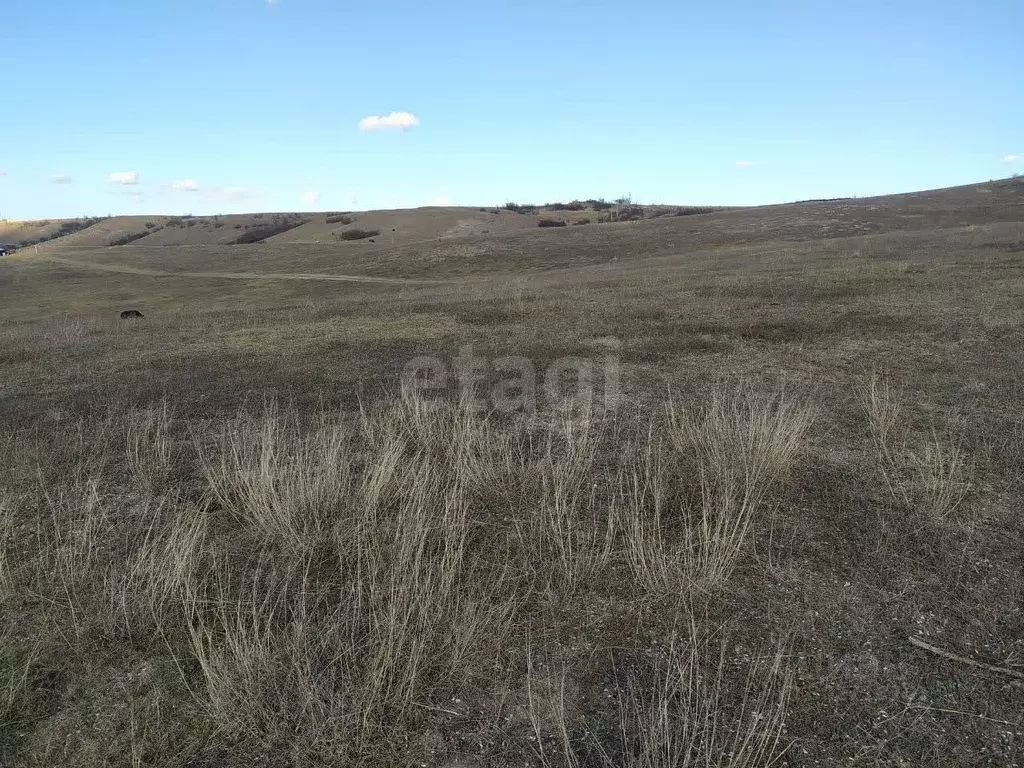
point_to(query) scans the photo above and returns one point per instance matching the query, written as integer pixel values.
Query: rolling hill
(742, 485)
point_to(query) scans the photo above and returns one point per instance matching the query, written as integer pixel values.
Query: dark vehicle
(4, 251)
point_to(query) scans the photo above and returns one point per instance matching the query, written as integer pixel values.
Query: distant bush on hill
(625, 213)
(580, 222)
(600, 204)
(75, 225)
(280, 223)
(129, 238)
(524, 208)
(575, 205)
(359, 234)
(690, 210)
(66, 228)
(550, 223)
(341, 218)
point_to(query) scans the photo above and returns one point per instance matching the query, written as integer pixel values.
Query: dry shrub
(167, 568)
(566, 533)
(928, 477)
(691, 705)
(80, 550)
(149, 447)
(281, 485)
(736, 446)
(657, 560)
(942, 474)
(369, 598)
(888, 432)
(687, 713)
(741, 444)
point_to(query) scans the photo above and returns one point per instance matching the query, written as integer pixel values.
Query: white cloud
(744, 163)
(60, 178)
(1012, 159)
(124, 177)
(396, 121)
(185, 185)
(442, 201)
(311, 196)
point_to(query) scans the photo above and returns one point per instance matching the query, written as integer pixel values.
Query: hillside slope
(502, 229)
(794, 457)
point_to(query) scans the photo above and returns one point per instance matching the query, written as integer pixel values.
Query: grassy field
(233, 534)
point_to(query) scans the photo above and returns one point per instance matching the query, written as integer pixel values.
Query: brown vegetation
(228, 537)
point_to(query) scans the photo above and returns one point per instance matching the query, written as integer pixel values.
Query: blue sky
(205, 106)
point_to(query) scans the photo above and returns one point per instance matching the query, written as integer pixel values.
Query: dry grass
(740, 444)
(888, 432)
(150, 449)
(942, 471)
(687, 513)
(329, 582)
(684, 707)
(929, 476)
(688, 715)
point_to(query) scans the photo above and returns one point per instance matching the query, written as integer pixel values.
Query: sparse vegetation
(550, 223)
(405, 511)
(692, 210)
(279, 224)
(522, 208)
(358, 234)
(129, 237)
(623, 210)
(69, 227)
(575, 205)
(340, 218)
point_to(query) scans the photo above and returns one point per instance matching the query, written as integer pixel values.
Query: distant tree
(259, 233)
(129, 238)
(359, 234)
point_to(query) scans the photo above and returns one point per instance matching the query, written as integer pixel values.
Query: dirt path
(117, 268)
